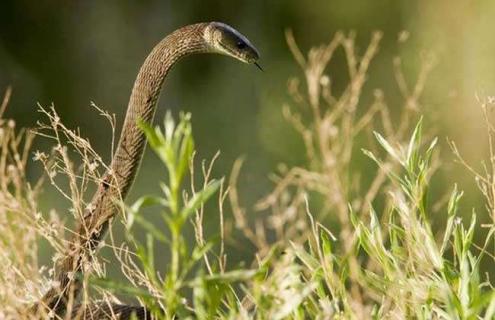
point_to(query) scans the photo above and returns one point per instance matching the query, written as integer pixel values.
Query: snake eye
(241, 45)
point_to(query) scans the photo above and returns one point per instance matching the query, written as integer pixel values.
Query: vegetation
(333, 240)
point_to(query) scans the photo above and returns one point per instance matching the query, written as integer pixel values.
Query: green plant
(190, 270)
(405, 271)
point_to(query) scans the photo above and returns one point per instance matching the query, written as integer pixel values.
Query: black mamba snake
(211, 37)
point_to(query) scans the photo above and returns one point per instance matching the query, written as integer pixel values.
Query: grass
(333, 240)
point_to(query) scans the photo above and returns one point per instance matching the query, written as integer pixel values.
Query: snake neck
(144, 98)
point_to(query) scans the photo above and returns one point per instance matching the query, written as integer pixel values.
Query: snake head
(226, 40)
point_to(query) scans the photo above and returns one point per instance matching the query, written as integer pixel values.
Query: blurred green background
(73, 52)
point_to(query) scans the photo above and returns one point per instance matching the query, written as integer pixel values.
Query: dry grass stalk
(330, 124)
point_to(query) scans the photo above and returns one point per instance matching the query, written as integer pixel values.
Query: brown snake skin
(209, 37)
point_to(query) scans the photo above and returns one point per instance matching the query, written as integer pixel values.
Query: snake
(207, 37)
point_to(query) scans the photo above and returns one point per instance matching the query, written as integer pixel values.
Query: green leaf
(117, 287)
(390, 150)
(185, 154)
(143, 202)
(226, 277)
(307, 259)
(152, 229)
(413, 147)
(200, 198)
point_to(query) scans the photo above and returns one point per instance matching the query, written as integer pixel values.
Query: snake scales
(211, 37)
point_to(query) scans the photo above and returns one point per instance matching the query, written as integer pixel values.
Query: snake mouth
(246, 58)
(233, 53)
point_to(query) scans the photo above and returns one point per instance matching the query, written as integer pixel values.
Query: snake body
(212, 37)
